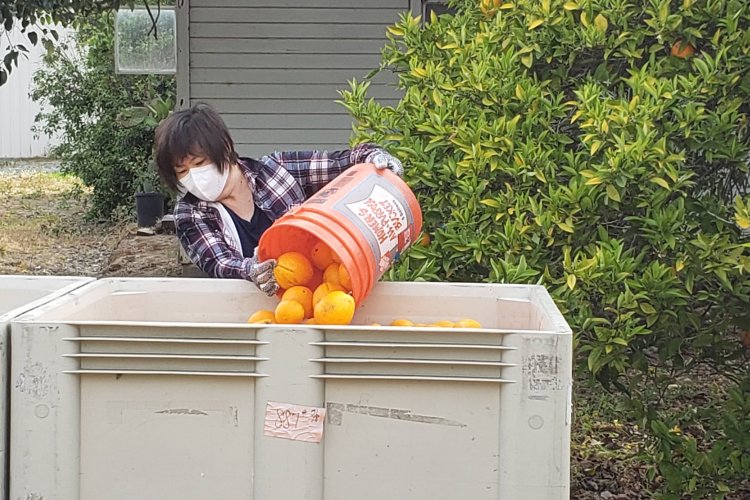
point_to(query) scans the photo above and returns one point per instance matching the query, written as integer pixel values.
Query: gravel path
(19, 167)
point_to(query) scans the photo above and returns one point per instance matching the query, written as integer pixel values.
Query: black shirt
(251, 230)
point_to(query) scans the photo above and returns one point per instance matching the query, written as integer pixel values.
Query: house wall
(17, 109)
(272, 68)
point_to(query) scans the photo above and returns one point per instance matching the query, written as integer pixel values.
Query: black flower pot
(149, 208)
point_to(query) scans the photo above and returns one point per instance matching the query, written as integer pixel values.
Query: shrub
(598, 147)
(84, 97)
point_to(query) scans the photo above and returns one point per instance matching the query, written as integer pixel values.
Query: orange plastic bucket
(365, 215)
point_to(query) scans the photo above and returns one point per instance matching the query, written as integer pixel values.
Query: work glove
(261, 273)
(383, 159)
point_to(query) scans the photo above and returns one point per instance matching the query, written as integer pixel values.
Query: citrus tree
(598, 147)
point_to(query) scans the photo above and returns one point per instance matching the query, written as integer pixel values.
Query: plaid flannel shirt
(279, 181)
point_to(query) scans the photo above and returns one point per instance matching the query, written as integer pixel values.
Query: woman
(228, 202)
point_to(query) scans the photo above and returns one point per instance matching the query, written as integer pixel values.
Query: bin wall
(169, 407)
(18, 295)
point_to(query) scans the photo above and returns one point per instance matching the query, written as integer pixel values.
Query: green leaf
(395, 30)
(527, 60)
(571, 6)
(565, 227)
(535, 23)
(571, 281)
(601, 24)
(594, 181)
(436, 97)
(613, 193)
(647, 308)
(660, 181)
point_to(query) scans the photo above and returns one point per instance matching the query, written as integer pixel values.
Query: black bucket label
(382, 215)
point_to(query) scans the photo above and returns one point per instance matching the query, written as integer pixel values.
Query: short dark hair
(195, 131)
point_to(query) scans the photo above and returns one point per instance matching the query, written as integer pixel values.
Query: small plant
(84, 99)
(147, 116)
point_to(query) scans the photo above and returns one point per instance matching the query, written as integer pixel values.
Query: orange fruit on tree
(344, 278)
(682, 49)
(289, 312)
(263, 316)
(331, 274)
(300, 294)
(336, 308)
(468, 323)
(323, 290)
(321, 255)
(292, 269)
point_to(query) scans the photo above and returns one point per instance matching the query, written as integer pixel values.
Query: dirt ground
(44, 230)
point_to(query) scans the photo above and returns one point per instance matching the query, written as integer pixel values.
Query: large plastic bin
(19, 294)
(158, 389)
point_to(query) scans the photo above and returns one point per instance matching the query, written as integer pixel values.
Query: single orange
(443, 324)
(468, 323)
(289, 312)
(336, 308)
(682, 49)
(331, 274)
(424, 241)
(321, 255)
(323, 290)
(402, 322)
(345, 278)
(303, 295)
(263, 316)
(292, 269)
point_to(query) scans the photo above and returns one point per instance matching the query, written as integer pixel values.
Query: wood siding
(272, 68)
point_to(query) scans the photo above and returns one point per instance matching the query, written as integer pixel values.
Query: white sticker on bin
(296, 422)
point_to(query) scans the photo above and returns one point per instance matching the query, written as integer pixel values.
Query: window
(137, 50)
(436, 6)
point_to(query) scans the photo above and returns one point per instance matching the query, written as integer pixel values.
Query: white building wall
(17, 109)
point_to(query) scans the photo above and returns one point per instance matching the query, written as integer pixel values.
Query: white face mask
(205, 182)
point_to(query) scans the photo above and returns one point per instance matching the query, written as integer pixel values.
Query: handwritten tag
(296, 422)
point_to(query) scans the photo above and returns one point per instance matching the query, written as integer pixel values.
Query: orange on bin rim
(263, 316)
(336, 308)
(367, 217)
(289, 312)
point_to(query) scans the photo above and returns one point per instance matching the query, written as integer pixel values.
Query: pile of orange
(315, 289)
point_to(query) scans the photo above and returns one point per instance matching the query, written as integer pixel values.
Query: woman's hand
(383, 159)
(261, 273)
